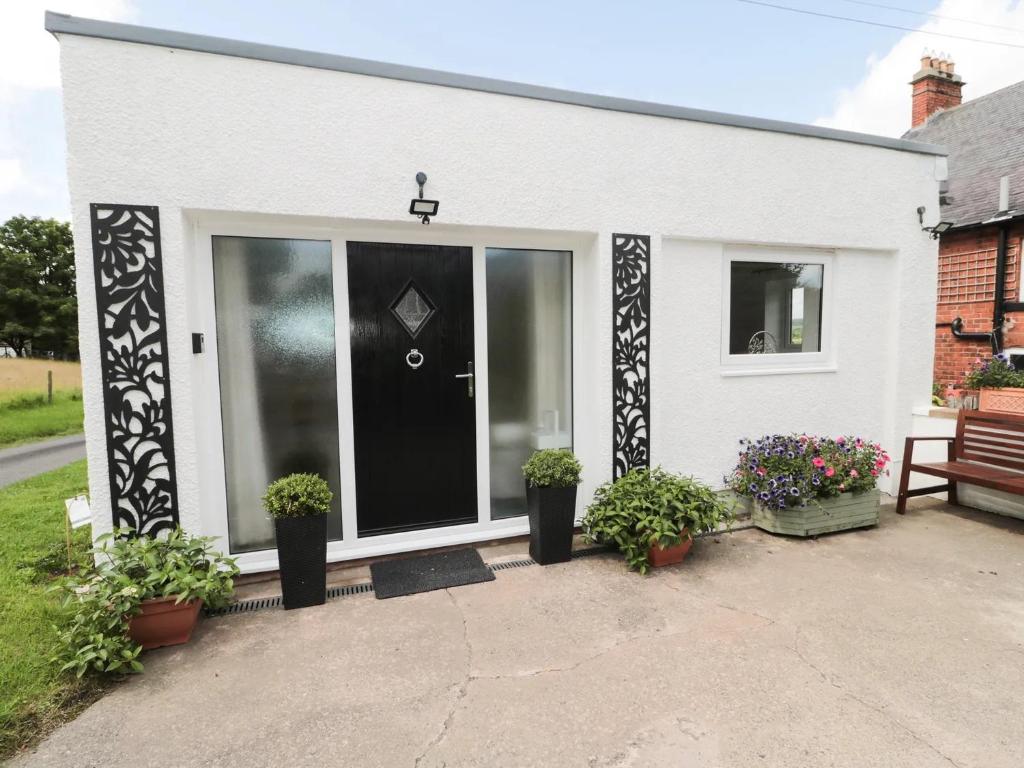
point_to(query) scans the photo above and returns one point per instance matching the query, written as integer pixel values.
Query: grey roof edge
(1007, 218)
(60, 23)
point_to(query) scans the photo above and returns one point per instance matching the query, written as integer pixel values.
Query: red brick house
(983, 200)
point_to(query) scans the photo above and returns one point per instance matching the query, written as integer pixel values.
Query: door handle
(469, 377)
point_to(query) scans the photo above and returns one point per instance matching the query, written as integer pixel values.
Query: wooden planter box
(1004, 400)
(846, 511)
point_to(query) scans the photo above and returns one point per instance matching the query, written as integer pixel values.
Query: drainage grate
(248, 606)
(262, 603)
(349, 589)
(511, 564)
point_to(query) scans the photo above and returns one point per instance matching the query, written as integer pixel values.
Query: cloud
(11, 174)
(30, 180)
(880, 102)
(28, 53)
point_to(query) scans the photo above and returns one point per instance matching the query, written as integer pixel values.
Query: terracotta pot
(1003, 400)
(659, 557)
(164, 623)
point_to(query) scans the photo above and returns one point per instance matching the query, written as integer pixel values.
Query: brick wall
(967, 268)
(931, 94)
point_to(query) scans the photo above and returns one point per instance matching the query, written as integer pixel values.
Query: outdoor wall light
(420, 207)
(935, 231)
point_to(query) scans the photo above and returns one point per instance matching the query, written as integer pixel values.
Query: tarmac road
(25, 461)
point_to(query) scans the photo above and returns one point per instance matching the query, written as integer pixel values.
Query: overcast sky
(724, 55)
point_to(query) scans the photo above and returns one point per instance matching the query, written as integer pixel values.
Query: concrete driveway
(898, 646)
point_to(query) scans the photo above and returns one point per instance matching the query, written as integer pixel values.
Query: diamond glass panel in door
(412, 308)
(529, 365)
(278, 381)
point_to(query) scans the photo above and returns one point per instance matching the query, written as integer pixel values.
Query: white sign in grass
(79, 513)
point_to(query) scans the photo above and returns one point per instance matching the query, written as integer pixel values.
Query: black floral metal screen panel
(134, 365)
(631, 336)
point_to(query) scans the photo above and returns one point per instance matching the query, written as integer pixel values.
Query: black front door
(411, 312)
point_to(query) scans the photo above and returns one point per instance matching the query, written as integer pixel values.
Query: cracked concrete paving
(897, 646)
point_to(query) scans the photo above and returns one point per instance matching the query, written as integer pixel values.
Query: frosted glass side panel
(278, 381)
(529, 365)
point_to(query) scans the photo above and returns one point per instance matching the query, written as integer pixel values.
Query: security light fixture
(936, 230)
(420, 207)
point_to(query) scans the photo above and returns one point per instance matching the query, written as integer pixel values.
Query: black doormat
(393, 578)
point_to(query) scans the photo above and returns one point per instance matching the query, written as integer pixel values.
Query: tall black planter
(302, 559)
(551, 513)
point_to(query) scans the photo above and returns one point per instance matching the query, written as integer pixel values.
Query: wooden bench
(988, 450)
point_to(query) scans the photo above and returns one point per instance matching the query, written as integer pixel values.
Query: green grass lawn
(34, 695)
(24, 418)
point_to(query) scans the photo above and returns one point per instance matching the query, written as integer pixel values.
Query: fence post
(49, 387)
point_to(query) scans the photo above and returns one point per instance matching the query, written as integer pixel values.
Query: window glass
(774, 307)
(529, 365)
(278, 382)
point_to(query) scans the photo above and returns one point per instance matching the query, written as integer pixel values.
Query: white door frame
(206, 384)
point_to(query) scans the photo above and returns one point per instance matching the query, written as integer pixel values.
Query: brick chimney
(936, 87)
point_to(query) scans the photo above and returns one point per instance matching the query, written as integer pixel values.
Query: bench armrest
(908, 448)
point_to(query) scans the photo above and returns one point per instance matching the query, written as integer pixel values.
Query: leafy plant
(95, 639)
(652, 507)
(994, 373)
(782, 471)
(128, 570)
(298, 495)
(553, 468)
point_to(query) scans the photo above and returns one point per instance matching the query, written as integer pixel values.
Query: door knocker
(414, 359)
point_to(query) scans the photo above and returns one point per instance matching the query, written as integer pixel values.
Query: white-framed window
(777, 310)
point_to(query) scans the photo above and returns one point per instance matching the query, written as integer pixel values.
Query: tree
(38, 308)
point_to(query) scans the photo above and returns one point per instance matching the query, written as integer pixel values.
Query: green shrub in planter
(101, 601)
(297, 495)
(551, 479)
(651, 507)
(299, 504)
(553, 468)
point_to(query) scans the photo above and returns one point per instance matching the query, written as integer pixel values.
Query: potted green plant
(299, 503)
(143, 592)
(1001, 385)
(805, 485)
(552, 476)
(651, 516)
